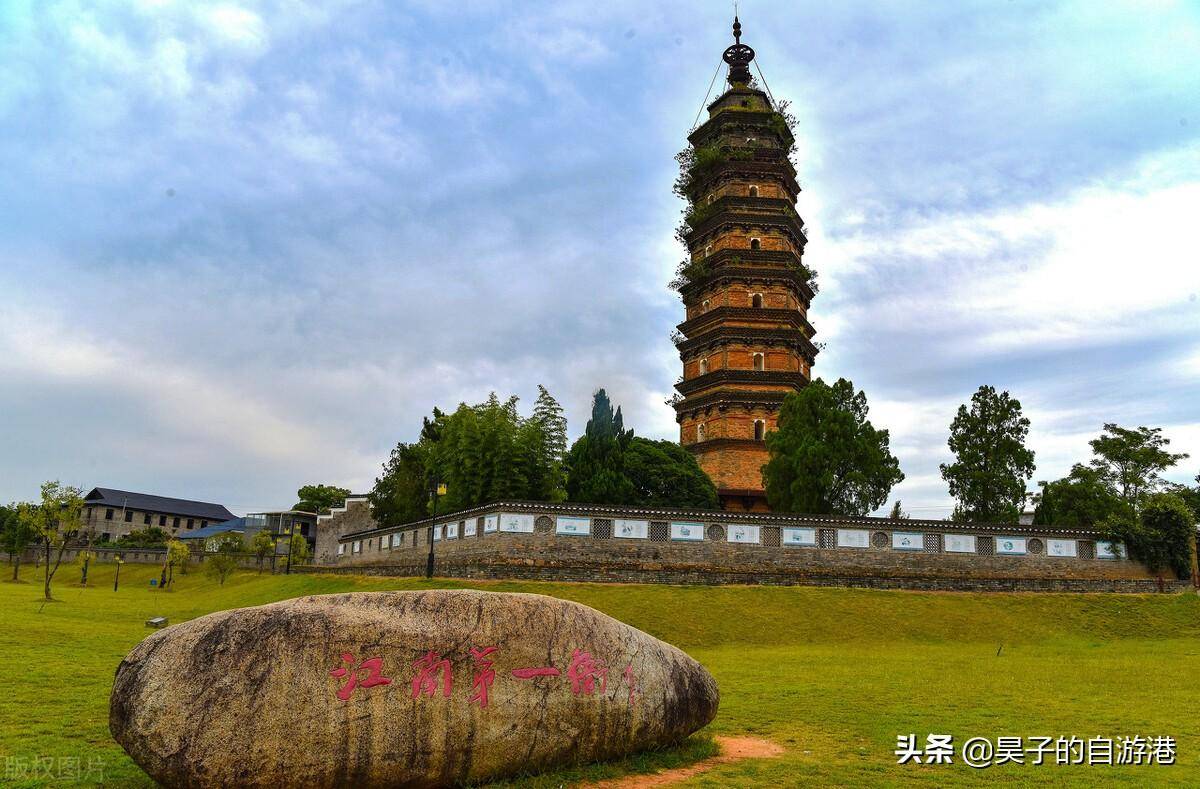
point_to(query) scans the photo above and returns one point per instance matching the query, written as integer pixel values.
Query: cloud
(248, 245)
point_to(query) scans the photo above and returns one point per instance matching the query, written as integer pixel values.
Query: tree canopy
(16, 534)
(401, 491)
(1124, 471)
(1083, 498)
(320, 498)
(596, 462)
(56, 521)
(665, 474)
(608, 464)
(992, 463)
(825, 456)
(484, 452)
(1132, 460)
(262, 545)
(1162, 535)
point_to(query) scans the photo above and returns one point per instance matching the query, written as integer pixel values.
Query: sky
(246, 246)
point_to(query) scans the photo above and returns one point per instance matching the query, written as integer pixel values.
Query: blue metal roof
(236, 524)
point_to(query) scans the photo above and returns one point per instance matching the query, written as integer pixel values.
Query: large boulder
(399, 689)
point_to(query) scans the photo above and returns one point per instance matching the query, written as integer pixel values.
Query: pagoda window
(703, 366)
(708, 250)
(760, 429)
(758, 361)
(700, 432)
(704, 306)
(756, 301)
(754, 191)
(755, 243)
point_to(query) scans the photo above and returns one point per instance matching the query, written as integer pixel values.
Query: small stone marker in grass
(157, 622)
(431, 688)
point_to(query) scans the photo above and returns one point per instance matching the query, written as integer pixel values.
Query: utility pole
(291, 524)
(436, 488)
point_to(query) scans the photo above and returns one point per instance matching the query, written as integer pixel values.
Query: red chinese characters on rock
(485, 677)
(427, 670)
(530, 673)
(373, 667)
(583, 671)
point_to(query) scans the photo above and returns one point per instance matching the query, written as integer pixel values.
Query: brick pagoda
(746, 341)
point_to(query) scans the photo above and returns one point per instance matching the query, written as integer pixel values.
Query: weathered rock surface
(399, 689)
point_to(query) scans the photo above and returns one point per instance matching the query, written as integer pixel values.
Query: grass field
(832, 675)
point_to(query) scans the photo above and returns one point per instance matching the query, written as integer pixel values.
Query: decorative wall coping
(339, 510)
(725, 517)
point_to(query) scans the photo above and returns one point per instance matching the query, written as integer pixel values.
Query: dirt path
(733, 749)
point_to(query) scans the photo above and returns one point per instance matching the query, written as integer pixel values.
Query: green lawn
(833, 675)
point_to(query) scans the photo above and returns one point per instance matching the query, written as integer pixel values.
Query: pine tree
(991, 462)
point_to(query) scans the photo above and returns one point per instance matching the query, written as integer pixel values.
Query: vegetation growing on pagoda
(696, 166)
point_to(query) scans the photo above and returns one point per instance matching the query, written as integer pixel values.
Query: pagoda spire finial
(738, 55)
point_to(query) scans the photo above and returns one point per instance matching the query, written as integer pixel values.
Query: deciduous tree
(665, 474)
(178, 555)
(16, 534)
(992, 463)
(1162, 535)
(401, 492)
(320, 498)
(825, 456)
(1083, 498)
(1133, 459)
(262, 545)
(222, 557)
(57, 521)
(299, 549)
(150, 537)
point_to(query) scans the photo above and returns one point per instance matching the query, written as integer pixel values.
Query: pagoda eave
(772, 318)
(792, 225)
(723, 269)
(748, 335)
(728, 375)
(727, 399)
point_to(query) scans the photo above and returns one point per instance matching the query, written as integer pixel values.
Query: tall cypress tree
(596, 461)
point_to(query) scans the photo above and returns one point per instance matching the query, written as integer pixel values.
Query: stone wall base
(540, 570)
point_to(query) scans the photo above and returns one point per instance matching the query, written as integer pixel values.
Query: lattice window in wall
(715, 533)
(660, 531)
(933, 543)
(1034, 546)
(601, 528)
(880, 540)
(543, 524)
(985, 546)
(1087, 549)
(770, 535)
(827, 538)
